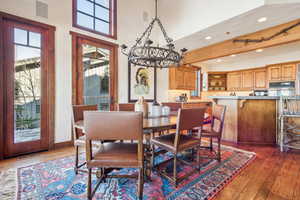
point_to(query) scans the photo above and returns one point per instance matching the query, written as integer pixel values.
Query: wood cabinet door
(190, 80)
(176, 78)
(288, 72)
(260, 79)
(274, 73)
(234, 81)
(179, 79)
(247, 80)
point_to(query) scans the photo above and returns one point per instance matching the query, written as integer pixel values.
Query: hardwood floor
(271, 176)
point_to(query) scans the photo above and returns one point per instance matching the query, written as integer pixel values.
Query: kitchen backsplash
(172, 94)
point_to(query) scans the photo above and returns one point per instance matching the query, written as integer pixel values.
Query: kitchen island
(249, 119)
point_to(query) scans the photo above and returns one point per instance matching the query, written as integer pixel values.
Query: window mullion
(94, 15)
(108, 24)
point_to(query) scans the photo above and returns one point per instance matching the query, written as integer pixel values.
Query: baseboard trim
(63, 144)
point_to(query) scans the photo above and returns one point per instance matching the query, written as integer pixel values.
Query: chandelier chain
(145, 53)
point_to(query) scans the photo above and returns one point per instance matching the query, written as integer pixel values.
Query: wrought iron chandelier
(145, 53)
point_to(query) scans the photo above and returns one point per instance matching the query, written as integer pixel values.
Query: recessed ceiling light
(208, 37)
(259, 50)
(233, 55)
(262, 19)
(219, 60)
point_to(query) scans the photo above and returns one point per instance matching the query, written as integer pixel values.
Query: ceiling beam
(228, 47)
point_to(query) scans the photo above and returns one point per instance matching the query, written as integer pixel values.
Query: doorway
(28, 86)
(94, 72)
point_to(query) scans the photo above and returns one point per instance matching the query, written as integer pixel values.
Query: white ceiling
(278, 54)
(243, 24)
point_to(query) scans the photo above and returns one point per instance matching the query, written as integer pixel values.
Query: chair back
(187, 120)
(218, 117)
(79, 109)
(173, 106)
(125, 107)
(113, 125)
(77, 115)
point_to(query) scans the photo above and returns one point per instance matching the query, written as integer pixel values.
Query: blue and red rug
(56, 179)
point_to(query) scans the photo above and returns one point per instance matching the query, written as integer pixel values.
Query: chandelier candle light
(144, 53)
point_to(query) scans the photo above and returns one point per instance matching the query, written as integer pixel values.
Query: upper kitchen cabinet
(274, 72)
(247, 80)
(234, 80)
(288, 72)
(182, 78)
(260, 78)
(282, 72)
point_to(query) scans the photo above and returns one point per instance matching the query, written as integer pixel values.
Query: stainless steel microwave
(286, 88)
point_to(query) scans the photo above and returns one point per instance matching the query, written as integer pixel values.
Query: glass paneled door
(24, 104)
(95, 74)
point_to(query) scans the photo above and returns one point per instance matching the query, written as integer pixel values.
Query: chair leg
(211, 144)
(152, 156)
(175, 170)
(89, 186)
(140, 184)
(198, 157)
(219, 149)
(76, 159)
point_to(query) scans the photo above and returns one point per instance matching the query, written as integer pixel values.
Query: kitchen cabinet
(274, 73)
(288, 72)
(260, 79)
(282, 72)
(247, 80)
(190, 79)
(234, 81)
(182, 78)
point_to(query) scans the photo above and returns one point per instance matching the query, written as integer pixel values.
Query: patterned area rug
(56, 179)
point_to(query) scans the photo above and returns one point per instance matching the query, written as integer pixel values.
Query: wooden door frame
(50, 69)
(76, 37)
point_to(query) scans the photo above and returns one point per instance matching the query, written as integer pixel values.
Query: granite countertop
(244, 97)
(190, 102)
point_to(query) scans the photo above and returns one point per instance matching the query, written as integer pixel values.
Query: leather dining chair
(79, 137)
(126, 106)
(126, 126)
(214, 131)
(178, 142)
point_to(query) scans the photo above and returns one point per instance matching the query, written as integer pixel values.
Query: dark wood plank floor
(272, 175)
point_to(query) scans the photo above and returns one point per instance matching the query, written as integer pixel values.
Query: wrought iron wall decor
(145, 53)
(263, 39)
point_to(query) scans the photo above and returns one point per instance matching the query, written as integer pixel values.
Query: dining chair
(214, 131)
(179, 142)
(114, 126)
(126, 106)
(79, 137)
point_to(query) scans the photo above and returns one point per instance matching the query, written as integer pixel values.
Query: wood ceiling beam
(228, 47)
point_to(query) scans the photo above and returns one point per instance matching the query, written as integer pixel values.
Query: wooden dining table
(153, 124)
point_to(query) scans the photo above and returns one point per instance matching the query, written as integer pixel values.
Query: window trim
(112, 20)
(78, 38)
(200, 85)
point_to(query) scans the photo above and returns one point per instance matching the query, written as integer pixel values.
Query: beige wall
(130, 25)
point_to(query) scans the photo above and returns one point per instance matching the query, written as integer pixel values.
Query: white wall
(185, 17)
(130, 25)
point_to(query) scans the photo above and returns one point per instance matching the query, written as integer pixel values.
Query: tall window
(98, 16)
